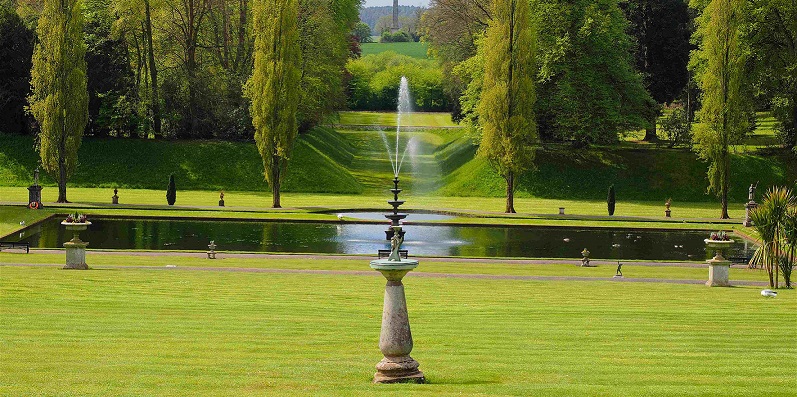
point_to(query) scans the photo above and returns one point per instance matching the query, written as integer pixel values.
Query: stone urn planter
(718, 266)
(76, 248)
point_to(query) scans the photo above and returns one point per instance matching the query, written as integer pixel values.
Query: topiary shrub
(610, 201)
(171, 191)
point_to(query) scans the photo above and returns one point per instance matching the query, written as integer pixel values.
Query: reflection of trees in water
(368, 238)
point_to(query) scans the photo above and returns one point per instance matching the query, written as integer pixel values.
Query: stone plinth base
(76, 255)
(718, 271)
(398, 370)
(747, 209)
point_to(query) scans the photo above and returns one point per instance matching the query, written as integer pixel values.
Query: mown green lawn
(253, 205)
(414, 50)
(210, 333)
(631, 269)
(432, 120)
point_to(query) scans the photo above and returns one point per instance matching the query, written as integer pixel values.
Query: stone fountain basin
(384, 264)
(76, 226)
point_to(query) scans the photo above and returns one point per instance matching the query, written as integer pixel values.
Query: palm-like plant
(773, 220)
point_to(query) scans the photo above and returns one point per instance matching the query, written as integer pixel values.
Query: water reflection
(336, 238)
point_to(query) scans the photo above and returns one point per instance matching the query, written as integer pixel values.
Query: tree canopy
(59, 99)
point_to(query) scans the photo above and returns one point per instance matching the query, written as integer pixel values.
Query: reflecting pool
(349, 238)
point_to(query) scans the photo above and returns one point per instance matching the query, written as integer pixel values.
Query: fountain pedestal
(76, 248)
(395, 338)
(718, 266)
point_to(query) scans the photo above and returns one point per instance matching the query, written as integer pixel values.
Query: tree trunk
(275, 181)
(153, 72)
(510, 193)
(650, 132)
(61, 179)
(725, 183)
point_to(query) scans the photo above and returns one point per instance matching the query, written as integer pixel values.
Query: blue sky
(375, 3)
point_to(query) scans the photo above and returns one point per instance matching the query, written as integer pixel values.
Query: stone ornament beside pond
(718, 266)
(76, 248)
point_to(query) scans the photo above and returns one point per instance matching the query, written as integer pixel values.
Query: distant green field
(415, 50)
(389, 119)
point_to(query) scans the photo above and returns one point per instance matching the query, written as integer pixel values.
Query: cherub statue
(395, 244)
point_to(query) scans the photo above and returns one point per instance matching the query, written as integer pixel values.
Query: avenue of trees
(605, 67)
(588, 71)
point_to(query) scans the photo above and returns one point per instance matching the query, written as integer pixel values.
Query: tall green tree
(59, 99)
(772, 34)
(589, 91)
(506, 109)
(273, 86)
(16, 49)
(719, 64)
(662, 29)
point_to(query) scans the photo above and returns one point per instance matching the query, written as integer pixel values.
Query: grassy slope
(139, 332)
(637, 173)
(355, 162)
(197, 165)
(420, 119)
(415, 50)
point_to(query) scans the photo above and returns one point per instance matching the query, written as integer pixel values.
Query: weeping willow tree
(59, 99)
(775, 221)
(273, 87)
(506, 108)
(719, 63)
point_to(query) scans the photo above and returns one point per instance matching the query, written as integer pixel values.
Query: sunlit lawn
(207, 333)
(490, 268)
(389, 119)
(414, 50)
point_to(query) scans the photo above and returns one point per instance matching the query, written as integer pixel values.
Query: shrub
(375, 80)
(171, 191)
(610, 200)
(676, 127)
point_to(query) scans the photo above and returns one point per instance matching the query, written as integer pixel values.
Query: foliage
(661, 52)
(661, 29)
(724, 114)
(452, 28)
(588, 90)
(371, 15)
(375, 80)
(506, 108)
(171, 191)
(59, 98)
(16, 50)
(110, 82)
(677, 127)
(362, 32)
(272, 87)
(398, 37)
(324, 46)
(771, 31)
(774, 221)
(611, 200)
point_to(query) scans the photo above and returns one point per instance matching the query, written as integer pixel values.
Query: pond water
(413, 217)
(421, 240)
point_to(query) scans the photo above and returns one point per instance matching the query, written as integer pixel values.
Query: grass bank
(156, 332)
(440, 162)
(414, 50)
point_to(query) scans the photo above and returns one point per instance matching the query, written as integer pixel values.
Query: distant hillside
(370, 15)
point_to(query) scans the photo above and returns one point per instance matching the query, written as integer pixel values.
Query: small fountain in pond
(395, 338)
